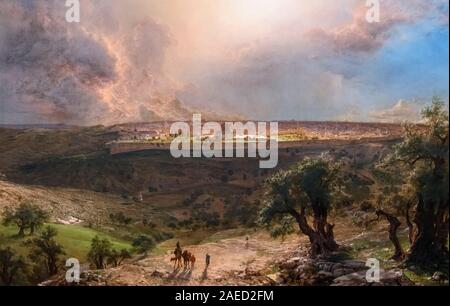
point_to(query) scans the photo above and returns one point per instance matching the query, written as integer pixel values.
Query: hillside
(210, 205)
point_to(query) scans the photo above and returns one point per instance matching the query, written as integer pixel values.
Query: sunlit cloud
(144, 60)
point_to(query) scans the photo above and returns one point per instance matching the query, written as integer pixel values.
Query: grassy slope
(75, 239)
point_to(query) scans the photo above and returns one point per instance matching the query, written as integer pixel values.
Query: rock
(156, 273)
(391, 277)
(325, 266)
(387, 278)
(295, 259)
(275, 278)
(322, 278)
(439, 276)
(337, 266)
(353, 264)
(291, 263)
(353, 279)
(309, 269)
(339, 272)
(324, 275)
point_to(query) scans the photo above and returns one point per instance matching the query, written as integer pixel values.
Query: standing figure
(208, 260)
(192, 259)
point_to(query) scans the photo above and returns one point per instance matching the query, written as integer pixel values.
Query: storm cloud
(142, 60)
(99, 71)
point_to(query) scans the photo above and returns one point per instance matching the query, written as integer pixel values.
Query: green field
(75, 239)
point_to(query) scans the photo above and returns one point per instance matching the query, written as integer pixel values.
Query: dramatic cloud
(95, 72)
(143, 60)
(400, 112)
(358, 35)
(327, 69)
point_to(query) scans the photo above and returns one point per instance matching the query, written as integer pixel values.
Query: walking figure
(208, 260)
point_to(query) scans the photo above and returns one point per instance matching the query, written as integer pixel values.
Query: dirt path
(233, 262)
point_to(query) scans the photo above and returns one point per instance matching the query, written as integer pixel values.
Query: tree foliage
(116, 257)
(101, 249)
(143, 243)
(102, 253)
(10, 266)
(420, 163)
(26, 216)
(310, 187)
(44, 248)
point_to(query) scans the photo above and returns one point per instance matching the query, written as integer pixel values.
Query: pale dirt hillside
(67, 205)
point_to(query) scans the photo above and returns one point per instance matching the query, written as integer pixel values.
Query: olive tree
(26, 216)
(308, 188)
(424, 156)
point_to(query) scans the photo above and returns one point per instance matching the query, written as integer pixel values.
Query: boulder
(439, 276)
(387, 278)
(275, 278)
(340, 272)
(354, 264)
(291, 263)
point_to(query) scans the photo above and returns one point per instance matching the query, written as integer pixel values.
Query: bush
(100, 251)
(162, 236)
(117, 257)
(120, 218)
(44, 249)
(143, 243)
(152, 189)
(172, 225)
(11, 267)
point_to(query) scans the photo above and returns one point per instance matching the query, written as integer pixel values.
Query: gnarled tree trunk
(411, 231)
(321, 236)
(394, 224)
(442, 230)
(429, 246)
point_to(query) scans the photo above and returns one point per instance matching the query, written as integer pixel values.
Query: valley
(209, 205)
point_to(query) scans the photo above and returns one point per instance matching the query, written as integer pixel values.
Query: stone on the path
(275, 278)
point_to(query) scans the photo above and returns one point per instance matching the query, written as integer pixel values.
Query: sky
(144, 60)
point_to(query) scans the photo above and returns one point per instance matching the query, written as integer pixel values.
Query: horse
(186, 258)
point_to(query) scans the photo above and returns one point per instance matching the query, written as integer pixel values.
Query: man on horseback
(178, 247)
(178, 255)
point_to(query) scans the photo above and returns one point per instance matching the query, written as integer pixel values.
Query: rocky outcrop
(305, 271)
(393, 277)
